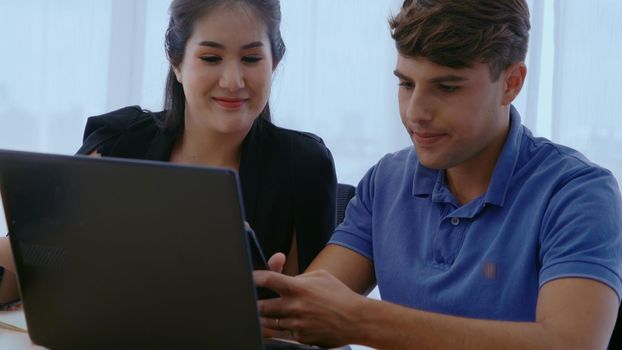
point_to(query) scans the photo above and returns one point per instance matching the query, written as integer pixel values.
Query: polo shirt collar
(504, 169)
(430, 182)
(424, 179)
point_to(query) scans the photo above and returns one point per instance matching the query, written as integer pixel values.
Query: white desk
(16, 341)
(12, 340)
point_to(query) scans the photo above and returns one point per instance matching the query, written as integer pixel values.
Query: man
(481, 236)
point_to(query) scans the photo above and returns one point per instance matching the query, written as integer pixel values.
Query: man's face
(455, 117)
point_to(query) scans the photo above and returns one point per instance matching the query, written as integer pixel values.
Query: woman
(222, 55)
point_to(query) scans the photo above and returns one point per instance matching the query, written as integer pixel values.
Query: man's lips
(230, 103)
(427, 138)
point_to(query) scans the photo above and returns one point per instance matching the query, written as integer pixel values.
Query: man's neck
(468, 182)
(471, 179)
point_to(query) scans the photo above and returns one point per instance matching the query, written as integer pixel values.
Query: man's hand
(316, 308)
(276, 262)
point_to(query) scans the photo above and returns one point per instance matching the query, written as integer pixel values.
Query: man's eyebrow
(216, 45)
(401, 75)
(448, 79)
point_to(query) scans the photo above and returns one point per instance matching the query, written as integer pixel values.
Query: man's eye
(211, 59)
(449, 88)
(252, 58)
(407, 85)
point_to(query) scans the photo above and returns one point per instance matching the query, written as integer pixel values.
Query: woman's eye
(252, 58)
(448, 88)
(211, 59)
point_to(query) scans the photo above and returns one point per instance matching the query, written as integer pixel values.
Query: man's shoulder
(405, 158)
(393, 170)
(557, 161)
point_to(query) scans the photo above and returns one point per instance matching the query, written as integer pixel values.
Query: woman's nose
(232, 77)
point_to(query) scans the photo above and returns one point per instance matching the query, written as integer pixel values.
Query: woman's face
(226, 72)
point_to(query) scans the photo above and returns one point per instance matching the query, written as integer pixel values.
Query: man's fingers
(272, 280)
(272, 324)
(276, 262)
(273, 330)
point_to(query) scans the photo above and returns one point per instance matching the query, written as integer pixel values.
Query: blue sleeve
(582, 230)
(355, 233)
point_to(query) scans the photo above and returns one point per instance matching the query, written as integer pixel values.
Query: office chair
(345, 192)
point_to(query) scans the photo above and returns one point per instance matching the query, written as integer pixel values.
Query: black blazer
(287, 177)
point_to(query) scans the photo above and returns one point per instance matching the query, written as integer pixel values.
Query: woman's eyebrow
(216, 45)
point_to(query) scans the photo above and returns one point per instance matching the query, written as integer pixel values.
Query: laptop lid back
(129, 254)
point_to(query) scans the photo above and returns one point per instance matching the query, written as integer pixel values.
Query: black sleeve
(315, 186)
(102, 132)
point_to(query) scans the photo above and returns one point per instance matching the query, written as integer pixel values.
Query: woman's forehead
(230, 25)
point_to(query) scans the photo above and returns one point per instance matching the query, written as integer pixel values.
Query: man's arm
(319, 308)
(572, 313)
(351, 268)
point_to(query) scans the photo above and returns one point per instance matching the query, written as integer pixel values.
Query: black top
(288, 177)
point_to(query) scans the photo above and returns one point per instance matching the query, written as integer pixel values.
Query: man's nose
(419, 108)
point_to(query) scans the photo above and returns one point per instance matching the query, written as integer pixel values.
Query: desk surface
(16, 341)
(19, 341)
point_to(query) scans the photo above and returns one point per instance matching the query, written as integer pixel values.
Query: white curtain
(65, 60)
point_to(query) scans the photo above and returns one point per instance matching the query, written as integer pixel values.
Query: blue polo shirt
(548, 213)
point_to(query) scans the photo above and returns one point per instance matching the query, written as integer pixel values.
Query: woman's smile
(230, 103)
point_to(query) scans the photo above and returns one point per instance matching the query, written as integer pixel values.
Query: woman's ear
(514, 78)
(177, 72)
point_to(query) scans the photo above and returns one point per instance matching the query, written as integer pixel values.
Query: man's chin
(433, 165)
(431, 162)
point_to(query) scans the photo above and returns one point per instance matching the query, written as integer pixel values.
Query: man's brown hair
(460, 33)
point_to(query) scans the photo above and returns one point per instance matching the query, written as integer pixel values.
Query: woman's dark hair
(184, 14)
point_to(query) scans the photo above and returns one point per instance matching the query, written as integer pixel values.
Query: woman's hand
(8, 281)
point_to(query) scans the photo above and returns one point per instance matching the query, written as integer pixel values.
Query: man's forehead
(421, 66)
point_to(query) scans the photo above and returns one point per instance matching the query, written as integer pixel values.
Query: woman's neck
(200, 146)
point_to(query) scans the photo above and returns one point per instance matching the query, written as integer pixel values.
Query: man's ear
(513, 80)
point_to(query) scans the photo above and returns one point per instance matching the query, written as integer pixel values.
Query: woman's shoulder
(300, 142)
(102, 130)
(304, 154)
(123, 119)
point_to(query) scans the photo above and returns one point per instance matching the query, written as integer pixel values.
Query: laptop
(127, 254)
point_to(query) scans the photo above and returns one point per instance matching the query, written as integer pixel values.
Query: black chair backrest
(616, 337)
(345, 192)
